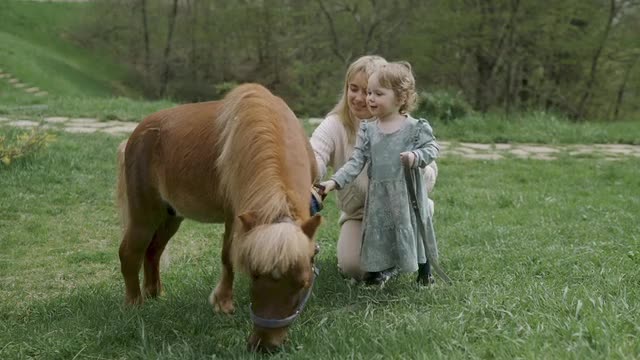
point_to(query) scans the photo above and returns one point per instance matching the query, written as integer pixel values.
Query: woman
(333, 141)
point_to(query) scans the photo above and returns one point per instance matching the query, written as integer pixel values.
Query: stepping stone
(466, 150)
(618, 148)
(3, 119)
(542, 157)
(477, 146)
(118, 130)
(519, 152)
(23, 123)
(95, 125)
(118, 123)
(19, 85)
(452, 153)
(56, 119)
(503, 146)
(538, 149)
(83, 121)
(2, 76)
(32, 90)
(483, 156)
(13, 81)
(41, 93)
(79, 130)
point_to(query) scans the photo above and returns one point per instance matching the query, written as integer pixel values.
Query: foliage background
(575, 57)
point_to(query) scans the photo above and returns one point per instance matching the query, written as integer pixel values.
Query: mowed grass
(544, 256)
(37, 46)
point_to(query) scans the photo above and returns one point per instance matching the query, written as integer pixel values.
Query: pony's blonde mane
(252, 154)
(275, 247)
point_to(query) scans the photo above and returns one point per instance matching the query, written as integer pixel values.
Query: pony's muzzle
(266, 340)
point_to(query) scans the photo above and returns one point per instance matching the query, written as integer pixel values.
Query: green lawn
(544, 256)
(36, 46)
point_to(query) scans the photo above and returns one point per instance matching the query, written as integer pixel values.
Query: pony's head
(279, 258)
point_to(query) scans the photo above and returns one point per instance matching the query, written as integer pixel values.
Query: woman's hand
(328, 185)
(407, 158)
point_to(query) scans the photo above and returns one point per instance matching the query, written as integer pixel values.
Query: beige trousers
(349, 244)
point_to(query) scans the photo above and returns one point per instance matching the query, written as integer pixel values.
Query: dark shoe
(373, 278)
(425, 278)
(379, 278)
(389, 273)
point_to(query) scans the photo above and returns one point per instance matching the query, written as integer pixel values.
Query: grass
(544, 254)
(115, 108)
(35, 47)
(537, 127)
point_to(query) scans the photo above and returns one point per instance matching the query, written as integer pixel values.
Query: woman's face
(357, 96)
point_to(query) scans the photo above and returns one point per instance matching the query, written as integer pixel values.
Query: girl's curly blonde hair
(398, 77)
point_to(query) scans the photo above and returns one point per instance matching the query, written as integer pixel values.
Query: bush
(24, 144)
(442, 105)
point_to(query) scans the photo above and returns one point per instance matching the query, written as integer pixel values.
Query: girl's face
(382, 101)
(357, 96)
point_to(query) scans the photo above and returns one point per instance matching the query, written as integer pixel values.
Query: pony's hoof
(224, 306)
(152, 293)
(133, 301)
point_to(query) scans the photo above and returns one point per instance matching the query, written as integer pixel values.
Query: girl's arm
(352, 168)
(427, 148)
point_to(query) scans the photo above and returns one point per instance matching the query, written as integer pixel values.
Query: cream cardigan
(331, 147)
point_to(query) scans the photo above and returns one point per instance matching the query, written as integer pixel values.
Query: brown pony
(244, 161)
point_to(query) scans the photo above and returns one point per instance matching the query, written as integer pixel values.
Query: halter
(280, 323)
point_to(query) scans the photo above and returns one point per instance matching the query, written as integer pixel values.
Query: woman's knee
(348, 249)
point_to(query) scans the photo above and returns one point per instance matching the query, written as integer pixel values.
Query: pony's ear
(310, 226)
(248, 220)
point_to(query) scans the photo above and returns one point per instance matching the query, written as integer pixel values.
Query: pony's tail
(121, 195)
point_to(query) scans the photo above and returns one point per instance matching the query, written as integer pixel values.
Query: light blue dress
(390, 229)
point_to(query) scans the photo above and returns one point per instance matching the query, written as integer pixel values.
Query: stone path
(18, 84)
(74, 125)
(465, 150)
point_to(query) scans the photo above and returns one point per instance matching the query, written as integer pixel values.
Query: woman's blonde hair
(398, 77)
(367, 64)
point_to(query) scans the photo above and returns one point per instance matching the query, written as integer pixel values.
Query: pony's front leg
(222, 297)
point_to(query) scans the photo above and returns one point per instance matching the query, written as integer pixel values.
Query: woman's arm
(430, 174)
(323, 143)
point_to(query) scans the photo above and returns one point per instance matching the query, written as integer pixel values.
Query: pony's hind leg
(222, 297)
(132, 249)
(152, 283)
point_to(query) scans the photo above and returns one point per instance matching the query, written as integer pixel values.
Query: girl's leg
(349, 249)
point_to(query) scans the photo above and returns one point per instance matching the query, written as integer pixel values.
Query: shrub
(24, 144)
(442, 105)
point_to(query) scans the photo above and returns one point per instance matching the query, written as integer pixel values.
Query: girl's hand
(328, 185)
(407, 158)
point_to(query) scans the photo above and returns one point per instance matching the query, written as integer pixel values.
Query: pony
(244, 161)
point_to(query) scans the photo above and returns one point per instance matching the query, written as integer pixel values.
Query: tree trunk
(167, 49)
(145, 35)
(586, 96)
(623, 85)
